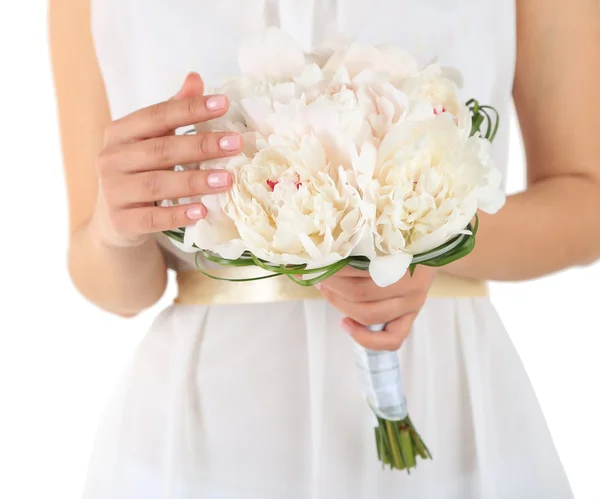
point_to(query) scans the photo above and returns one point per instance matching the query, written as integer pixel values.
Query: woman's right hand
(135, 168)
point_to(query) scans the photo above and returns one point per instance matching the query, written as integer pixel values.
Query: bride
(252, 399)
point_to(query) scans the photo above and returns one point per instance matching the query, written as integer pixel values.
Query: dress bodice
(146, 48)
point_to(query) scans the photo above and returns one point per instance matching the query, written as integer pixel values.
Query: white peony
(438, 87)
(288, 206)
(423, 189)
(336, 115)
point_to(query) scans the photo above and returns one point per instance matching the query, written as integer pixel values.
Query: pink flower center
(272, 184)
(439, 110)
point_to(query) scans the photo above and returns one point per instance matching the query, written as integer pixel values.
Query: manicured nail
(195, 213)
(346, 326)
(319, 286)
(216, 102)
(218, 179)
(230, 143)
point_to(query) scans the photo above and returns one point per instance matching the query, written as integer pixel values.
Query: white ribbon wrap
(381, 380)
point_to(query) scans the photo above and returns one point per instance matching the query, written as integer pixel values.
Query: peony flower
(335, 115)
(438, 88)
(287, 206)
(423, 189)
(272, 65)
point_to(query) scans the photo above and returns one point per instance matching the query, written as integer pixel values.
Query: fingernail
(216, 102)
(195, 213)
(318, 286)
(230, 143)
(219, 179)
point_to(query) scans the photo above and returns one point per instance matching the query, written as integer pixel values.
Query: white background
(60, 356)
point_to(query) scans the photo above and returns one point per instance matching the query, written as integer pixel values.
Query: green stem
(407, 446)
(394, 438)
(386, 442)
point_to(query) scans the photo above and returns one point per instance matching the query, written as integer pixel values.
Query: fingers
(148, 220)
(162, 118)
(192, 85)
(356, 289)
(352, 272)
(390, 339)
(171, 150)
(158, 185)
(373, 312)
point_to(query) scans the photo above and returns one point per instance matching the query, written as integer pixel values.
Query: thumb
(192, 85)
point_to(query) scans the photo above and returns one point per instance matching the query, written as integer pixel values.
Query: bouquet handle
(398, 443)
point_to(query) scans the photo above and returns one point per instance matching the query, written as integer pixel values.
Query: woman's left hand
(354, 293)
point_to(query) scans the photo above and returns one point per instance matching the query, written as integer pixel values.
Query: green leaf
(216, 278)
(328, 272)
(174, 235)
(496, 122)
(359, 264)
(476, 226)
(477, 121)
(240, 262)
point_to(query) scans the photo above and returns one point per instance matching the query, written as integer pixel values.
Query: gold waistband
(197, 289)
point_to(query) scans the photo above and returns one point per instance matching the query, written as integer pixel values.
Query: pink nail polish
(216, 102)
(195, 213)
(218, 179)
(230, 143)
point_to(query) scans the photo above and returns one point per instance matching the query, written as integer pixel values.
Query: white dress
(262, 401)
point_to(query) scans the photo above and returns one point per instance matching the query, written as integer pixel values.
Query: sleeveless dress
(262, 401)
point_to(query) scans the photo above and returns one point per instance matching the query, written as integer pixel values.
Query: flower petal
(364, 163)
(364, 246)
(396, 61)
(258, 110)
(231, 250)
(389, 269)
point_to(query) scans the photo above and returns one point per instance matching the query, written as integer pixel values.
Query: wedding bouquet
(353, 155)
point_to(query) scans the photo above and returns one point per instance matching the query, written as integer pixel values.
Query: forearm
(553, 225)
(124, 280)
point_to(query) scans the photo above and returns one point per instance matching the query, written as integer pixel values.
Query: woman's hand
(364, 303)
(135, 169)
